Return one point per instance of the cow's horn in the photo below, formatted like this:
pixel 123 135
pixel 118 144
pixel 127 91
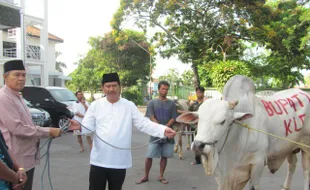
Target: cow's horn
pixel 233 104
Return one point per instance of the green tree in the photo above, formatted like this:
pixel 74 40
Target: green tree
pixel 223 70
pixel 125 56
pixel 201 31
pixel 112 53
pixel 284 35
pixel 193 30
pixel 307 79
pixel 87 75
pixel 172 76
pixel 187 78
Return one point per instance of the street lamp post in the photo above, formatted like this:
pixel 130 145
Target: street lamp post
pixel 150 95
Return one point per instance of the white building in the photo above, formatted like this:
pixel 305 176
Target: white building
pixel 25 37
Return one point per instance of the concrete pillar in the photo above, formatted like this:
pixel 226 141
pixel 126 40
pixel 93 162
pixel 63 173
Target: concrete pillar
pixel 62 83
pixel 44 47
pixel 19 44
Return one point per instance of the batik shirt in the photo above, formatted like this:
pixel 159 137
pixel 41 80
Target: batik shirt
pixel 5 158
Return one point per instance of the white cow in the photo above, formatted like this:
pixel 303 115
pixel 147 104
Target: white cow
pixel 236 154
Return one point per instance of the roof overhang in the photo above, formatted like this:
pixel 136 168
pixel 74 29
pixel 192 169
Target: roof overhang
pixel 9 16
pixel 53 74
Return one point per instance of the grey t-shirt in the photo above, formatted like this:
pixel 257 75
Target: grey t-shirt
pixel 163 111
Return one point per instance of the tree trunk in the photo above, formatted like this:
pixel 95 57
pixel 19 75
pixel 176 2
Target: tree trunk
pixel 92 98
pixel 196 77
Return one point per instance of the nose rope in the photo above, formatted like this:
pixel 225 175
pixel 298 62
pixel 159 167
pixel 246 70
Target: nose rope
pixel 216 141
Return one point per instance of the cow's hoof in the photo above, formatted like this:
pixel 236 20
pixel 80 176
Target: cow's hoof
pixel 181 156
pixel 188 148
pixel 284 188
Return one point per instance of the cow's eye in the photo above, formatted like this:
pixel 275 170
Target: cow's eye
pixel 222 123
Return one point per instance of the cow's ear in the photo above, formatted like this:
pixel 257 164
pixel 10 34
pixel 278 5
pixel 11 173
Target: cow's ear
pixel 242 116
pixel 189 118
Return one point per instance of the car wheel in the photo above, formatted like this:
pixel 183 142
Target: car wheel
pixel 62 120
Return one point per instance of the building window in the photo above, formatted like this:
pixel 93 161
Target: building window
pixel 12 32
pixel 9 49
pixel 37 81
pixel 33 52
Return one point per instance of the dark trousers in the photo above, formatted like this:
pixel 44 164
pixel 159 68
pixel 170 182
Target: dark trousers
pixel 197 155
pixel 28 185
pixel 98 177
pixel 197 158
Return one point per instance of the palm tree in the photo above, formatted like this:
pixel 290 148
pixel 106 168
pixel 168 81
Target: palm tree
pixel 60 65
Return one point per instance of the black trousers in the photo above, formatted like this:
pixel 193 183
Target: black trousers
pixel 99 176
pixel 28 184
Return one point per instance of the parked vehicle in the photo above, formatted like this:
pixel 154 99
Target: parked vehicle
pixel 57 101
pixel 39 116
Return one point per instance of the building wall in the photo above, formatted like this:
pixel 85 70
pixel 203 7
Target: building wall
pixel 6 38
pixel 51 66
pixel 51 53
pixel 36 42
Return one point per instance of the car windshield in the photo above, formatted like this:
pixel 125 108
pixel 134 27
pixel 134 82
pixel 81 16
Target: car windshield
pixel 27 103
pixel 63 95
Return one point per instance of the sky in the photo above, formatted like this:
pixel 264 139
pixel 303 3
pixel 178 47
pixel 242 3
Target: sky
pixel 76 20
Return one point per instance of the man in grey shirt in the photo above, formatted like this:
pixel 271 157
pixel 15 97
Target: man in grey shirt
pixel 162 111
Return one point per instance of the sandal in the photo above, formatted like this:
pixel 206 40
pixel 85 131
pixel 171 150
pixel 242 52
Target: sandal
pixel 163 181
pixel 142 181
pixel 195 163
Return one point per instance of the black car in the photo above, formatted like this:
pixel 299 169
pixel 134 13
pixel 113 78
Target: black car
pixel 56 101
pixel 39 116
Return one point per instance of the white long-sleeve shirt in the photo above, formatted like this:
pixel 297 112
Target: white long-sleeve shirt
pixel 113 123
pixel 78 107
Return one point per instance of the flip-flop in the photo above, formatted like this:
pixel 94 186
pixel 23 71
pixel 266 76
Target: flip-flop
pixel 163 181
pixel 142 181
pixel 195 163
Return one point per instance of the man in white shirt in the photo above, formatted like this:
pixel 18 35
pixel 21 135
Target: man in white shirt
pixel 79 108
pixel 112 118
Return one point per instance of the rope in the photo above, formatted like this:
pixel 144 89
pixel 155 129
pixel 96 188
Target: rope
pixel 272 135
pixel 47 164
pixel 133 147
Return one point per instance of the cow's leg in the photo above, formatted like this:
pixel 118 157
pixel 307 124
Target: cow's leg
pixel 188 146
pixel 180 147
pixel 236 179
pixel 256 173
pixel 305 167
pixel 292 160
pixel 176 146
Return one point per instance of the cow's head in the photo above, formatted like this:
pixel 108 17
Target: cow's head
pixel 215 118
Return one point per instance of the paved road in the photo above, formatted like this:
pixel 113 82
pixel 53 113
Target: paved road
pixel 69 170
